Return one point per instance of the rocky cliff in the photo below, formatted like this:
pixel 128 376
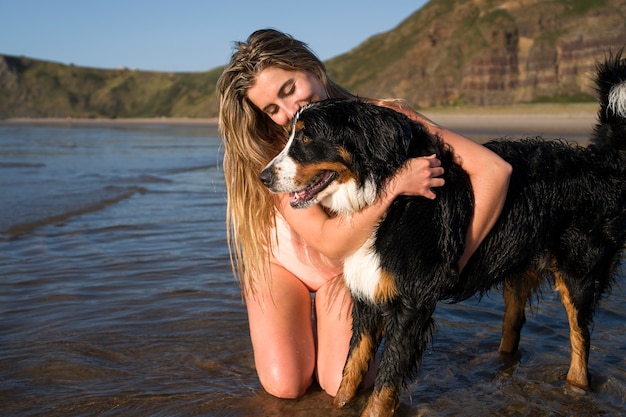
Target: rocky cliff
pixel 486 52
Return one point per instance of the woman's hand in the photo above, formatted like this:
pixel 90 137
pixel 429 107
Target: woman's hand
pixel 418 177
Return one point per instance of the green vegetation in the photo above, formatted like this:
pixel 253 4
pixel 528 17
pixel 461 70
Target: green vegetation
pixel 584 6
pixel 44 89
pixel 566 98
pixel 450 52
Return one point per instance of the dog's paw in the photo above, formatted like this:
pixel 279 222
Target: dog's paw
pixel 342 399
pixel 383 403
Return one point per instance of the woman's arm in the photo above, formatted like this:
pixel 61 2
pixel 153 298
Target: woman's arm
pixel 489 175
pixel 337 237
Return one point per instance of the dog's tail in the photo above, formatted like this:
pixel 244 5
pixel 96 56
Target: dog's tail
pixel 610 131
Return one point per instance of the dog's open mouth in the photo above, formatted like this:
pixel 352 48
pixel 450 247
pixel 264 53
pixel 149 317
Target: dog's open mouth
pixel 302 198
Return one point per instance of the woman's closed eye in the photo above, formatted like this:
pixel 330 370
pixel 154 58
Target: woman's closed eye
pixel 287 89
pixel 271 110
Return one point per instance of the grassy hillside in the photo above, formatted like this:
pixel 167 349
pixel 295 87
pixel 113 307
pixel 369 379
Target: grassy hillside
pixel 449 53
pixel 45 89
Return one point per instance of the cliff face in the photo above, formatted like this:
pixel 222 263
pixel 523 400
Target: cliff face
pixel 450 52
pixel 487 52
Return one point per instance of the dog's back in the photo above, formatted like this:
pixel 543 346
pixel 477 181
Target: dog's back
pixel 567 200
pixel 576 194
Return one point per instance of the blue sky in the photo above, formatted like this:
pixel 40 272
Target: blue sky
pixel 183 35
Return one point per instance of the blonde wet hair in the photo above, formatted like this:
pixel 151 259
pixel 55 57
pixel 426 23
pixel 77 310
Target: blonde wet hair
pixel 251 139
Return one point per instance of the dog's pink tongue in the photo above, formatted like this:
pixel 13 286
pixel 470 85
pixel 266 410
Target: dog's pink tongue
pixel 296 196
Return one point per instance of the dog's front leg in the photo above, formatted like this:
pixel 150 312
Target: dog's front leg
pixel 366 333
pixel 408 332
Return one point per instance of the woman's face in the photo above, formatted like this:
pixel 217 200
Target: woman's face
pixel 279 93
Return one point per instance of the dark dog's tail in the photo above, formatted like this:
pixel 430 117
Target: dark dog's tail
pixel 610 131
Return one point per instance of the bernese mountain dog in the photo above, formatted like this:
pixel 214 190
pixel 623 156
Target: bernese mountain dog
pixel 564 220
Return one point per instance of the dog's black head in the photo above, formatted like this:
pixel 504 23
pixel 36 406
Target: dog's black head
pixel 340 152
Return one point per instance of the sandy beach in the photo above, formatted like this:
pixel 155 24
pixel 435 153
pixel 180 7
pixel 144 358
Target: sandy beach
pixel 573 125
pixel 530 120
pixel 574 122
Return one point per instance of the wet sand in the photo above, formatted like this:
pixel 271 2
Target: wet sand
pixel 574 122
pixel 574 126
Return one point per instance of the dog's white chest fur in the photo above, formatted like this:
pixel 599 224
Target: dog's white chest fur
pixel 362 271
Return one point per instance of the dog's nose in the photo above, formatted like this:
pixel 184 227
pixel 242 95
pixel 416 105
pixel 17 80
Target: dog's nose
pixel 267 176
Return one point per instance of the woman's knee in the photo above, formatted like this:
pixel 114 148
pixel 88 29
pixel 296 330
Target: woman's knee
pixel 282 385
pixel 330 382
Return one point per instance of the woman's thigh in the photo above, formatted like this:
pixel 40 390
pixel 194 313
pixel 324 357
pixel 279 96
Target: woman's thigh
pixel 279 314
pixel 333 311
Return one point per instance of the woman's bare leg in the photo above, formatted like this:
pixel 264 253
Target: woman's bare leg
pixel 279 315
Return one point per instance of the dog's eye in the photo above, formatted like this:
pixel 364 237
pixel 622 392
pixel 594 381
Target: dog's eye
pixel 305 139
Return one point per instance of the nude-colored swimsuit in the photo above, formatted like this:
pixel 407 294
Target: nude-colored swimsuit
pixel 293 253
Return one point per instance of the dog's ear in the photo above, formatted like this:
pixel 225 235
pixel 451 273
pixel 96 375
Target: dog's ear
pixel 423 143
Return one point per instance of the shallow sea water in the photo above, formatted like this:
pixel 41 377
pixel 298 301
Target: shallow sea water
pixel 117 298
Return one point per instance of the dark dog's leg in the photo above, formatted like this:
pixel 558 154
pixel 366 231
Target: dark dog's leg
pixel 579 338
pixel 408 331
pixel 516 291
pixel 366 334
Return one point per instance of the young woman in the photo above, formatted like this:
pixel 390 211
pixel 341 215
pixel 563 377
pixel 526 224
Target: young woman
pixel 282 255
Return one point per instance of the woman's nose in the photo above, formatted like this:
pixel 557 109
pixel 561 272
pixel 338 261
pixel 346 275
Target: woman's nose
pixel 292 108
pixel 281 118
pixel 286 113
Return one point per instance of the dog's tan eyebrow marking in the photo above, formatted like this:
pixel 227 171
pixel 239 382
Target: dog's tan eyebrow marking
pixel 344 154
pixel 299 126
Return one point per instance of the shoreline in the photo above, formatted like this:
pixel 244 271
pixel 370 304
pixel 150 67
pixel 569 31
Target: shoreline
pixel 165 121
pixel 575 119
pixel 533 120
pixel 529 124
